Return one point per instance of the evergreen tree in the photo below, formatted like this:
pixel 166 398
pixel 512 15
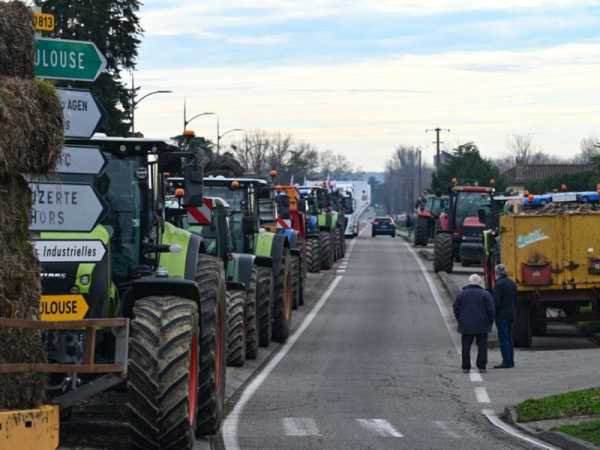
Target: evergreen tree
pixel 113 25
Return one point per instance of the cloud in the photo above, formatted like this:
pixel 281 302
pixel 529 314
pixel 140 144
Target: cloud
pixel 365 108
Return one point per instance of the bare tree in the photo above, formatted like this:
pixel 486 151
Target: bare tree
pixel 521 148
pixel 252 151
pixel 588 149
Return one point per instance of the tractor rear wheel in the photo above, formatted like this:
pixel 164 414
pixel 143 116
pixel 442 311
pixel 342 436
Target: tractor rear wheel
pixel 295 267
pixel 264 294
pixel 250 314
pixel 313 255
pixel 282 299
pixel 236 328
pixel 443 253
pixel 522 328
pixel 326 250
pixel 213 344
pixel 422 231
pixel 162 381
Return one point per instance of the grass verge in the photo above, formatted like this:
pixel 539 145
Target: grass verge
pixel 588 431
pixel 584 402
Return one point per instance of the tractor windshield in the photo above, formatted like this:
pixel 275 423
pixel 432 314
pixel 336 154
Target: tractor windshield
pixel 435 205
pixel 234 197
pixel 119 188
pixel 468 204
pixel 348 203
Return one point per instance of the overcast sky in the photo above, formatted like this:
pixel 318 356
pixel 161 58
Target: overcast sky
pixel 362 76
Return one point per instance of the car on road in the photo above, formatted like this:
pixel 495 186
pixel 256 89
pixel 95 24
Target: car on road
pixel 383 226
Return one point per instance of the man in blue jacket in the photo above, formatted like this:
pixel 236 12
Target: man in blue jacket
pixel 505 298
pixel 474 311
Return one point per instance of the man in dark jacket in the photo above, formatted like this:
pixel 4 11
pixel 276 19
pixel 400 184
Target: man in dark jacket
pixel 505 299
pixel 474 312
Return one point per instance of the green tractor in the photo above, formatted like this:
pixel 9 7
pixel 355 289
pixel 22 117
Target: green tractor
pixel 135 268
pixel 261 251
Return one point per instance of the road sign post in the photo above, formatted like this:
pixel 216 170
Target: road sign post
pixel 64 207
pixel 81 113
pixel 82 160
pixel 63 59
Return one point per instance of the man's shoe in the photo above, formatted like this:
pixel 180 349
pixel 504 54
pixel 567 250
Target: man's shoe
pixel 466 370
pixel 504 366
pixel 482 371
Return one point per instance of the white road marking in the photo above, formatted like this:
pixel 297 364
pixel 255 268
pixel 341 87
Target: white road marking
pixel 379 426
pixel 475 377
pixel 340 271
pixel 499 423
pixel 300 426
pixel 231 425
pixel 446 429
pixel 482 395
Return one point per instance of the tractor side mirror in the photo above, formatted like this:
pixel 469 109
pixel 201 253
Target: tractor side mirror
pixel 193 180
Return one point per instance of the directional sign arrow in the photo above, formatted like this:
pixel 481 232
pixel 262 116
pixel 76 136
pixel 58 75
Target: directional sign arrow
pixel 63 59
pixel 83 160
pixel 64 207
pixel 81 113
pixel 69 251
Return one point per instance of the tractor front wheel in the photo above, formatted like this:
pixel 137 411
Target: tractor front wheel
pixel 264 294
pixel 282 299
pixel 421 231
pixel 250 316
pixel 236 328
pixel 443 253
pixel 313 255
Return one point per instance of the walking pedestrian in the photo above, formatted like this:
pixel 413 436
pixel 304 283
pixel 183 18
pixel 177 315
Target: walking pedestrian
pixel 410 224
pixel 505 299
pixel 474 312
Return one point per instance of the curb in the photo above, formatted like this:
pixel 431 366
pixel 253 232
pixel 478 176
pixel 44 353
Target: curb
pixel 561 440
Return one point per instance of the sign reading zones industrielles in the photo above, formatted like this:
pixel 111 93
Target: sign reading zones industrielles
pixel 69 251
pixel 80 111
pixel 63 59
pixel 83 160
pixel 64 207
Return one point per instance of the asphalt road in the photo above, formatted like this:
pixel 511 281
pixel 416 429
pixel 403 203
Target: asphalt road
pixel 375 369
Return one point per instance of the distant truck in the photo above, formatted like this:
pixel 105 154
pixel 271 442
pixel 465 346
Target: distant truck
pixel 553 254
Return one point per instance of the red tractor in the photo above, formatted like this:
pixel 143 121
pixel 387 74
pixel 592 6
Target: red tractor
pixel 427 217
pixel 460 231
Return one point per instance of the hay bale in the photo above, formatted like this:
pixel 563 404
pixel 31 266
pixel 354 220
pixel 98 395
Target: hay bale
pixel 20 289
pixel 16 40
pixel 31 126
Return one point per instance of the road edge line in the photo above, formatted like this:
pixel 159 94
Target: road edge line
pixel 493 418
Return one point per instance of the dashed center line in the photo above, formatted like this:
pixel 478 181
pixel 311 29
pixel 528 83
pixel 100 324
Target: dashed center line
pixel 380 426
pixel 482 395
pixel 300 426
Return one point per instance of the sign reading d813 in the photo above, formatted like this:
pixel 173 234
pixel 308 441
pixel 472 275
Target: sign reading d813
pixel 43 22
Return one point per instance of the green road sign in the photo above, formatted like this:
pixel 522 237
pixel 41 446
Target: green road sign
pixel 62 59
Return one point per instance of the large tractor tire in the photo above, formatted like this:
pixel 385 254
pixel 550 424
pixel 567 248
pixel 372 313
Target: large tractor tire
pixel 236 328
pixel 296 280
pixel 313 255
pixel 421 231
pixel 213 344
pixel 264 294
pixel 251 317
pixel 341 243
pixel 522 328
pixel 443 253
pixel 303 270
pixel 326 250
pixel 163 376
pixel 283 299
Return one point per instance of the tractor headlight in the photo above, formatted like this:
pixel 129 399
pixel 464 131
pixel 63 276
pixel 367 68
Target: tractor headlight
pixel 85 279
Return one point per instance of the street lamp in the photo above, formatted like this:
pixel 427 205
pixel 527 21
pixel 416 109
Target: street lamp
pixel 186 121
pixel 135 102
pixel 221 136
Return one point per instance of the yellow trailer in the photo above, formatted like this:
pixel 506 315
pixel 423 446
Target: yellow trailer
pixel 555 260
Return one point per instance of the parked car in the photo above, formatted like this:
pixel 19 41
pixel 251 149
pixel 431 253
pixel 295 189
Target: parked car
pixel 383 226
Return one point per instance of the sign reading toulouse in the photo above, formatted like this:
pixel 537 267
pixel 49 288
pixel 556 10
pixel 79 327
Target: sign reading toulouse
pixel 84 160
pixel 68 251
pixel 81 113
pixel 63 59
pixel 64 207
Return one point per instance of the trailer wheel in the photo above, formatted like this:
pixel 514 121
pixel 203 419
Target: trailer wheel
pixel 421 231
pixel 251 319
pixel 264 293
pixel 163 379
pixel 236 328
pixel 443 249
pixel 313 255
pixel 522 329
pixel 282 300
pixel 213 344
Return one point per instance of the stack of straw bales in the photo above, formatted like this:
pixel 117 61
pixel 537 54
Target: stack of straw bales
pixel 31 137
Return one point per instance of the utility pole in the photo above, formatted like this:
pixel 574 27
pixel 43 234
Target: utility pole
pixel 420 165
pixel 437 145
